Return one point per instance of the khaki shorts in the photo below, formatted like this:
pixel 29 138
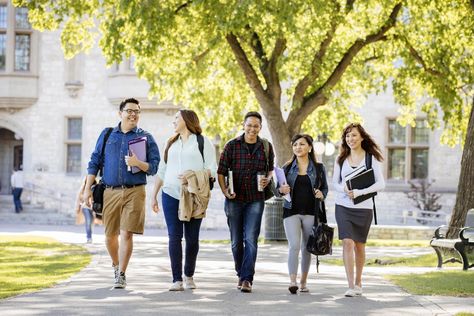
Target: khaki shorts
pixel 124 209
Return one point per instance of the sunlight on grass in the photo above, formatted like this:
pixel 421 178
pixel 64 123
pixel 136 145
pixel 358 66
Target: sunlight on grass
pixel 452 283
pixel 30 263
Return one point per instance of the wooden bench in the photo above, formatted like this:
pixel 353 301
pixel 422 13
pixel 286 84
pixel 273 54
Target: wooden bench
pixel 459 250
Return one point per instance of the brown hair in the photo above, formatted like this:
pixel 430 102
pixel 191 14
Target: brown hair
pixel 311 154
pixel 192 124
pixel 368 144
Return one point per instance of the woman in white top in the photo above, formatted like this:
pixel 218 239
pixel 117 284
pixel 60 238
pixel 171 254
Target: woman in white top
pixel 353 220
pixel 182 154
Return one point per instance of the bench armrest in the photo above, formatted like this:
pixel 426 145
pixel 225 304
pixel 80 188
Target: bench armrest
pixel 441 231
pixel 467 234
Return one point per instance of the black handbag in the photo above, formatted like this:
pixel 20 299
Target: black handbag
pixel 98 198
pixel 99 188
pixel 320 239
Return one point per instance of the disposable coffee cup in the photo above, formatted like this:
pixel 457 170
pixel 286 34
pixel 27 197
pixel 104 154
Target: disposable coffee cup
pixel 260 176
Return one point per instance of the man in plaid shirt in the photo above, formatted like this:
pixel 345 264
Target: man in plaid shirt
pixel 245 156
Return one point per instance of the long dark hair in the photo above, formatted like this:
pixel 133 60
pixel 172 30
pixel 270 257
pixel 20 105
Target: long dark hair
pixel 368 144
pixel 192 124
pixel 311 154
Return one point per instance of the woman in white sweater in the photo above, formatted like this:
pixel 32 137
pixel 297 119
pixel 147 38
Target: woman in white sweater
pixel 353 220
pixel 182 154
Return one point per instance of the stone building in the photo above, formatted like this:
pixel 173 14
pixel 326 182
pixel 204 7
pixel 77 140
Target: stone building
pixel 53 109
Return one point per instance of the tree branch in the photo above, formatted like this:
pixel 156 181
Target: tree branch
pixel 257 47
pixel 318 97
pixel 304 83
pixel 349 5
pixel 274 87
pixel 183 6
pixel 249 72
pixel 417 56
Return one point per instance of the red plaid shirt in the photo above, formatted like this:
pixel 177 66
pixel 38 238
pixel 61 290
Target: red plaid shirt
pixel 244 164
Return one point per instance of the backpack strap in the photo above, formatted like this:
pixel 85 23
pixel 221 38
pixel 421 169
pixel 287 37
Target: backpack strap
pixel 368 165
pixel 266 150
pixel 102 153
pixel 200 140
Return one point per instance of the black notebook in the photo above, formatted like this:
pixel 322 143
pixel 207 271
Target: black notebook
pixel 361 181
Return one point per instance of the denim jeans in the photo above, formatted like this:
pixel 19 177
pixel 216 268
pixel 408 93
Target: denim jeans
pixel 88 221
pixel 17 199
pixel 244 219
pixel 175 236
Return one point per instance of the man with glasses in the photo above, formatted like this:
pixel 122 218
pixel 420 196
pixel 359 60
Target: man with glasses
pixel 245 157
pixel 124 196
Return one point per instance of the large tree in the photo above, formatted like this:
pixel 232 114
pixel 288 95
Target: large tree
pixel 303 63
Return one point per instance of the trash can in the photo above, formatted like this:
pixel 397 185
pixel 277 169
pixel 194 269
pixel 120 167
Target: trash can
pixel 274 229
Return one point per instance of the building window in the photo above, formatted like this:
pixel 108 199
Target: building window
pixel 407 151
pixel 17 39
pixel 74 145
pixel 22 40
pixel 22 52
pixel 3 51
pixel 3 35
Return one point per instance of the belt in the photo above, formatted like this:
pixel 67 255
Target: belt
pixel 123 186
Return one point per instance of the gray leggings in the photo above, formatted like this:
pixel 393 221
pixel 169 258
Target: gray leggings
pixel 295 227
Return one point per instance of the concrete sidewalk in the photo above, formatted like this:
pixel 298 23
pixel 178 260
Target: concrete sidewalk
pixel 90 293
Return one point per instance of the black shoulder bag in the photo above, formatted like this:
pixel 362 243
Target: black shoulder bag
pixel 99 188
pixel 320 239
pixel 200 140
pixel 270 189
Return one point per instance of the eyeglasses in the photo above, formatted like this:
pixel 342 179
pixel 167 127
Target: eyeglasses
pixel 252 126
pixel 130 111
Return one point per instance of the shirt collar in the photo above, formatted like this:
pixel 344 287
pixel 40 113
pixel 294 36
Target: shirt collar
pixel 118 129
pixel 241 138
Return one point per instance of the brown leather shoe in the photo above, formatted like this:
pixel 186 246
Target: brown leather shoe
pixel 239 285
pixel 246 287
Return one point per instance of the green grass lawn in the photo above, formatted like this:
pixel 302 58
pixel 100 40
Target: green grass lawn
pixel 451 283
pixel 29 263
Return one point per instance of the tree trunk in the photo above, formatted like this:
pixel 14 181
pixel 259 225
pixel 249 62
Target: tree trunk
pixel 464 197
pixel 281 141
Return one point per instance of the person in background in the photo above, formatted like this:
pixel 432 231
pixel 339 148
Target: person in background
pixel 245 156
pixel 354 220
pixel 17 188
pixel 307 186
pixel 183 159
pixel 83 213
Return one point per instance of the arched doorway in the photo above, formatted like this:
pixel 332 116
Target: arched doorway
pixel 11 156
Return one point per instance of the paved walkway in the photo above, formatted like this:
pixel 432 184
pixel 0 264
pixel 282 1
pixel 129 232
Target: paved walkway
pixel 89 292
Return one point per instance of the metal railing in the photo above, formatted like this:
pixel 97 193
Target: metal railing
pixel 45 197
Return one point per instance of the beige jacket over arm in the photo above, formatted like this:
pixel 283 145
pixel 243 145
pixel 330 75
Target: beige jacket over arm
pixel 195 195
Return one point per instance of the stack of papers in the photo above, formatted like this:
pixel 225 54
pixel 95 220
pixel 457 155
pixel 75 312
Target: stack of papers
pixel 280 175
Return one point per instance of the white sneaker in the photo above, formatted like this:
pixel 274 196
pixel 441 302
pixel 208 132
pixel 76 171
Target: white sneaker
pixel 358 290
pixel 350 293
pixel 189 283
pixel 177 286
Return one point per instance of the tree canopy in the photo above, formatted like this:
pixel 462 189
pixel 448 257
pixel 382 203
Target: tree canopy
pixel 305 64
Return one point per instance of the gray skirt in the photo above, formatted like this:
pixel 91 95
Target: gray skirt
pixel 353 223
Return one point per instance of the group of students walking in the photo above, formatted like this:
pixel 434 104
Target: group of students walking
pixel 186 175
